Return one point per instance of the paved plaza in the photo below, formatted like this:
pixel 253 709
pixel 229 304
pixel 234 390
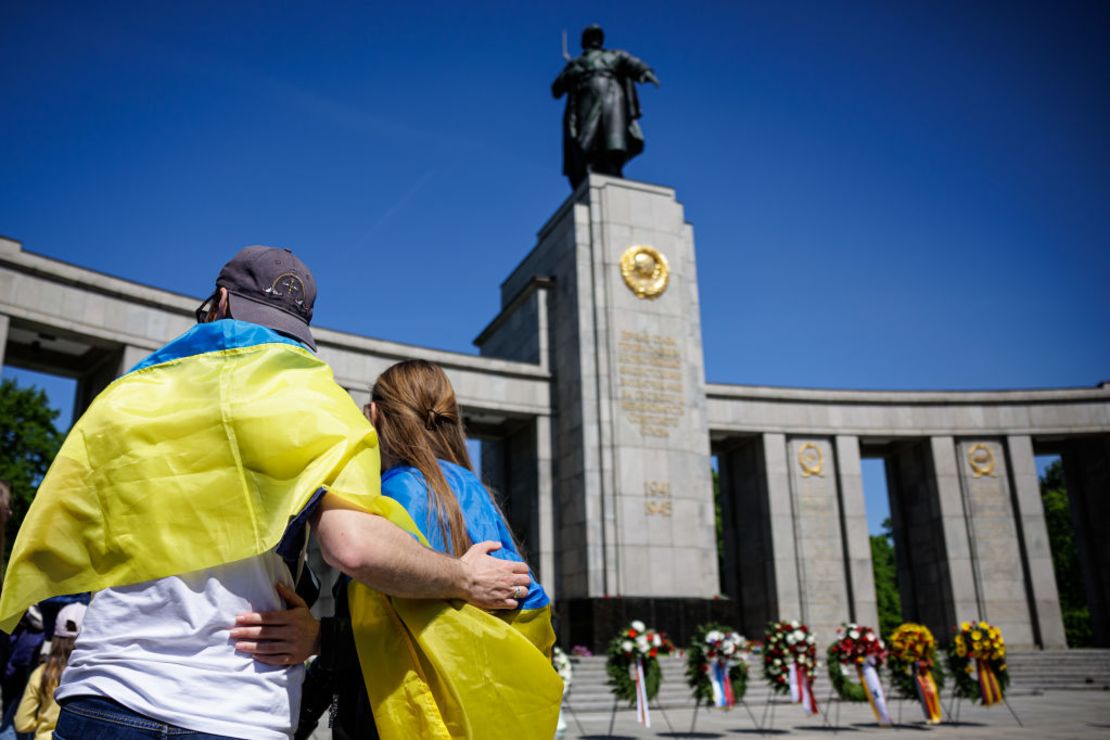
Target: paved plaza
pixel 1056 714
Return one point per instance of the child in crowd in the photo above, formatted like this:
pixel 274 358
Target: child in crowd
pixel 38 712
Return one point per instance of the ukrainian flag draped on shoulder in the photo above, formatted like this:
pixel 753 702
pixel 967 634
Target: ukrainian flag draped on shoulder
pixel 453 671
pixel 195 458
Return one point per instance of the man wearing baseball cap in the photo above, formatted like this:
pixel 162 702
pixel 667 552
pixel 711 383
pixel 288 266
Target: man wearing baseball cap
pixel 182 496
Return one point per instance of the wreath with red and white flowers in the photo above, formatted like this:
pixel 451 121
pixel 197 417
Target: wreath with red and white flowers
pixel 715 643
pixel 785 643
pixel 855 645
pixel 636 642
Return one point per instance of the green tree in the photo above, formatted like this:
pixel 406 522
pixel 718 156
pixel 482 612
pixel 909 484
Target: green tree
pixel 886 580
pixel 1065 557
pixel 28 442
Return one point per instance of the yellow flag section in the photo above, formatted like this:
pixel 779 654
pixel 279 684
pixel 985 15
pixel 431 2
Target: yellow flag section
pixel 439 671
pixel 197 457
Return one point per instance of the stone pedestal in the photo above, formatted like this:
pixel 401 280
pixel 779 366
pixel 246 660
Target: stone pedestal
pixel 633 494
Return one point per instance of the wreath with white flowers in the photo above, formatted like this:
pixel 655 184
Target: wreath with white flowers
pixel 714 642
pixel 978 646
pixel 854 646
pixel 636 641
pixel 913 649
pixel 561 662
pixel 785 643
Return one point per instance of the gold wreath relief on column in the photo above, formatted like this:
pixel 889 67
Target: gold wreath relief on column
pixel 981 459
pixel 645 271
pixel 811 460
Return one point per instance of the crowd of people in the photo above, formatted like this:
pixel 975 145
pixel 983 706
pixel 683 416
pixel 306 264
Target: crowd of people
pixel 182 500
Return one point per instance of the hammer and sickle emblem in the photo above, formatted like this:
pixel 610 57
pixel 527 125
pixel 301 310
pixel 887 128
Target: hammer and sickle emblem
pixel 981 460
pixel 287 285
pixel 645 271
pixel 811 460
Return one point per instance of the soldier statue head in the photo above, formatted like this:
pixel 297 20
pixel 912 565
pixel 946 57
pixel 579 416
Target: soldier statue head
pixel 593 37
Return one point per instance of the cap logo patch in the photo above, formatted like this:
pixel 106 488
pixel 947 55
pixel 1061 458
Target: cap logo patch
pixel 288 286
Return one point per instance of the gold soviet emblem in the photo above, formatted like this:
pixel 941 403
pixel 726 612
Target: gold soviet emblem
pixel 645 271
pixel 981 460
pixel 811 460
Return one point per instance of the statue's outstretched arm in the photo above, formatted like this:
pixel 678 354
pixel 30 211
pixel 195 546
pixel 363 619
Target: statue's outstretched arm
pixel 637 69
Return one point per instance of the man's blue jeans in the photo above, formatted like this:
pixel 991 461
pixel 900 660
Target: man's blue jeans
pixel 94 718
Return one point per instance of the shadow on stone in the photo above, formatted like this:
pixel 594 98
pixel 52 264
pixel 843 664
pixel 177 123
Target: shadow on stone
pixel 689 734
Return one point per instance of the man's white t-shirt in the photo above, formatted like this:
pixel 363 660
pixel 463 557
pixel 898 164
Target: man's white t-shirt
pixel 162 649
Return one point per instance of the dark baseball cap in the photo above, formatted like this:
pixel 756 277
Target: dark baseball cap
pixel 271 287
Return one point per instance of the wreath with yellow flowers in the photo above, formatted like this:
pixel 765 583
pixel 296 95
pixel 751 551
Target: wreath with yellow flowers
pixel 912 649
pixel 977 646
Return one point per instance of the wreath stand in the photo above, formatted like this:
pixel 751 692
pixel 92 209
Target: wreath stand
pixel 747 708
pixel 958 700
pixel 574 715
pixel 834 724
pixel 657 706
pixel 898 697
pixel 765 726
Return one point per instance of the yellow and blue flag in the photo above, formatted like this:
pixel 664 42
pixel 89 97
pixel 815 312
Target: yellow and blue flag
pixel 527 702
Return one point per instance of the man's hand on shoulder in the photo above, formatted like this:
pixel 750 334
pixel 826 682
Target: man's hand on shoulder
pixel 285 637
pixel 492 583
pixel 373 550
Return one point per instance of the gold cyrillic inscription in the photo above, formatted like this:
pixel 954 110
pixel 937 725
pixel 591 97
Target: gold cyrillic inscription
pixel 658 494
pixel 649 370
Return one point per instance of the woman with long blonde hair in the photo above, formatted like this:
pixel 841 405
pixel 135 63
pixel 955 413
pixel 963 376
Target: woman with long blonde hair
pixel 427 465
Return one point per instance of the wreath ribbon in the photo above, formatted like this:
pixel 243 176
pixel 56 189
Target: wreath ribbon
pixel 636 671
pixel 722 685
pixel 873 688
pixel 927 692
pixel 801 689
pixel 988 683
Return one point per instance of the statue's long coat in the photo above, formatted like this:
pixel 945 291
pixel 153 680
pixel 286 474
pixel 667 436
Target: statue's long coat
pixel 602 107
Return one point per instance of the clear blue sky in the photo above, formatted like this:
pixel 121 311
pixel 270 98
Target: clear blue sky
pixel 884 195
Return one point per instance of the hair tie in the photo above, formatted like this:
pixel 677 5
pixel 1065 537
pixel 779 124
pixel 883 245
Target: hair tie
pixel 430 419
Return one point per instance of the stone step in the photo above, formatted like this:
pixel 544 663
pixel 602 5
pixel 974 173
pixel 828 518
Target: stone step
pixel 1031 671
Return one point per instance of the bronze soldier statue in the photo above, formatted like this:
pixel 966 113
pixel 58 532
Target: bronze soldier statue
pixel 600 132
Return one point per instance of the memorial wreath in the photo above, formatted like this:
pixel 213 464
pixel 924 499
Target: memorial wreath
pixel 977 659
pixel 914 668
pixel 633 665
pixel 786 644
pixel 717 665
pixel 858 650
pixel 790 661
